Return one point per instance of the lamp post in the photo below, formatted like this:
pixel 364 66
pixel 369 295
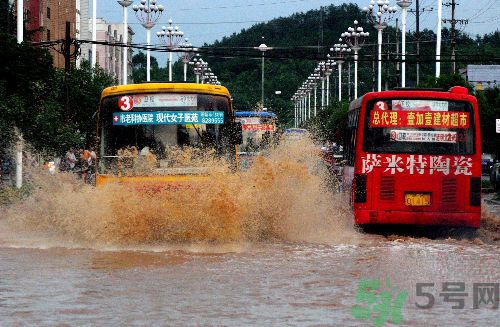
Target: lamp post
pixel 404 4
pixel 340 50
pixel 438 41
pixel 263 48
pixel 125 4
pixel 379 23
pixel 170 36
pixel 329 69
pixel 93 59
pixel 197 62
pixel 148 13
pixel 355 38
pixel 187 55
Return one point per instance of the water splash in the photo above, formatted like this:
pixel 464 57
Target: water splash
pixel 282 197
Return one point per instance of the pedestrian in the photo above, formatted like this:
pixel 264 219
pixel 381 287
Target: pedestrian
pixel 70 159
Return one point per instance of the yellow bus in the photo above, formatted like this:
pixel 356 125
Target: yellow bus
pixel 152 132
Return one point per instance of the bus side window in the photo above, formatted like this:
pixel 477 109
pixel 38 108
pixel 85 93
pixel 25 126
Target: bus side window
pixel 350 137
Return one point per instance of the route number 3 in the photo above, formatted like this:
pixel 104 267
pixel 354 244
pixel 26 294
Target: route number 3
pixel 381 105
pixel 126 103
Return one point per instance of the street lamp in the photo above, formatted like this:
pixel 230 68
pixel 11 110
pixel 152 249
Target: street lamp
pixel 355 38
pixel 171 36
pixel 263 48
pixel 148 13
pixel 125 4
pixel 329 64
pixel 379 23
pixel 404 4
pixel 199 66
pixel 187 55
pixel 340 51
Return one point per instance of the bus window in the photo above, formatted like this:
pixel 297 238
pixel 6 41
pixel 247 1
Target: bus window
pixel 156 133
pixel 416 131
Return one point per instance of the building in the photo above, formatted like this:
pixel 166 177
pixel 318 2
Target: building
pixel 46 21
pixel 483 76
pixel 110 58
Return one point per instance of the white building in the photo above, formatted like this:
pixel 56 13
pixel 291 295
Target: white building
pixel 109 57
pixel 483 76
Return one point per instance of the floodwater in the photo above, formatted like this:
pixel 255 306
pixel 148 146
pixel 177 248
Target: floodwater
pixel 272 248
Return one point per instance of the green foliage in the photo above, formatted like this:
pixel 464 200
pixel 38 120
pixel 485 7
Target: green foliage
pixel 10 195
pixel 446 82
pixel 52 109
pixel 330 124
pixel 139 66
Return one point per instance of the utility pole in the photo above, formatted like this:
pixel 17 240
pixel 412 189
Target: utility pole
pixel 387 72
pixel 417 36
pixel 453 23
pixel 417 13
pixel 397 49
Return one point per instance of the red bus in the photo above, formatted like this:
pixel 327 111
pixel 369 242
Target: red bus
pixel 413 156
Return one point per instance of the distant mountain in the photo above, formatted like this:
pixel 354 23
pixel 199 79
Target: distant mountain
pixel 300 41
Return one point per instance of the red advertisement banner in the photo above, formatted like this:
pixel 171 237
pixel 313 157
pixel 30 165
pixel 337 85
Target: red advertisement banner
pixel 429 119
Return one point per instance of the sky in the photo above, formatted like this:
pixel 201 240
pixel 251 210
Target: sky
pixel 205 21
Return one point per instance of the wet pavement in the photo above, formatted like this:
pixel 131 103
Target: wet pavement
pixel 240 284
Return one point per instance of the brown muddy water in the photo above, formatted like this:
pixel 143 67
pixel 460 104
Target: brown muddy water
pixel 271 246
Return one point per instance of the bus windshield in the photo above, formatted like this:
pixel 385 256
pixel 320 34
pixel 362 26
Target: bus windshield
pixel 167 130
pixel 419 126
pixel 258 128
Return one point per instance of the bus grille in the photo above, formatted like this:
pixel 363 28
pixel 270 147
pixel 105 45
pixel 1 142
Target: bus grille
pixel 449 191
pixel 387 188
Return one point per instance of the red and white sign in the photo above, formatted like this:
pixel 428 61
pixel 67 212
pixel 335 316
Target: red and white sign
pixel 126 103
pixel 258 127
pixel 418 164
pixel 423 136
pixel 423 119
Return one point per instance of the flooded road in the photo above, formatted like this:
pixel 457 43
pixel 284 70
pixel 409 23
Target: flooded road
pixel 245 284
pixel 272 247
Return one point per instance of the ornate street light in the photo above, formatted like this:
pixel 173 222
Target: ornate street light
pixel 329 64
pixel 125 4
pixel 340 50
pixel 186 55
pixel 148 13
pixel 404 4
pixel 170 36
pixel 379 19
pixel 355 38
pixel 263 48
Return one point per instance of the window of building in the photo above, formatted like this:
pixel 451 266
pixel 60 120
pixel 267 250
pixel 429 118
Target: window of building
pixel 48 35
pixel 48 12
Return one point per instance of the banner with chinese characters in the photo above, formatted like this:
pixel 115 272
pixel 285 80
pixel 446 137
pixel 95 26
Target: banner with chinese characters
pixel 164 100
pixel 423 136
pixel 420 105
pixel 417 164
pixel 429 119
pixel 168 117
pixel 258 127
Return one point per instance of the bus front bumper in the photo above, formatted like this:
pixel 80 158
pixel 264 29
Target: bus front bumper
pixel 373 217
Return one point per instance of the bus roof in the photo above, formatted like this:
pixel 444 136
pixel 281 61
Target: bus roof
pixel 264 114
pixel 166 87
pixel 296 131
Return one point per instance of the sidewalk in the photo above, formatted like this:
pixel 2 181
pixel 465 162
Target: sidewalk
pixel 491 203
